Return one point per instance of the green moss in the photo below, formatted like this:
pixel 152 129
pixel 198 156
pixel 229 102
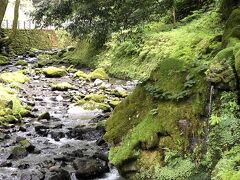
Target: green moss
pixel 83 54
pixel 28 40
pixel 143 115
pixel 15 85
pixel 45 59
pixel 24 143
pixel 114 103
pixel 232 27
pixel 19 152
pixel 10 105
pixel 3 60
pixel 92 105
pixel 63 86
pixel 119 93
pixel 98 74
pixel 21 63
pixel 80 102
pixel 95 97
pixel 151 45
pixel 54 72
pixel 71 69
pixel 81 75
pixel 16 76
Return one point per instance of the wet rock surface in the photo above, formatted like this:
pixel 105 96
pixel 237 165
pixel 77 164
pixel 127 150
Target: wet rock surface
pixel 58 140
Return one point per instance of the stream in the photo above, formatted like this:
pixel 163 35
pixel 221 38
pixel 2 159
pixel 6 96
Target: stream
pixel 67 142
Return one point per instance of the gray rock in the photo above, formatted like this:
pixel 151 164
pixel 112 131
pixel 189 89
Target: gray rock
pixel 89 168
pixel 45 115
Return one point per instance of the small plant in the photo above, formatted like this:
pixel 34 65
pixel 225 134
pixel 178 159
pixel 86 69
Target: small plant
pixel 214 120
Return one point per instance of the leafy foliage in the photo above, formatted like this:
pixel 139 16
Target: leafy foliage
pixel 225 127
pixel 99 18
pixel 228 166
pixel 175 167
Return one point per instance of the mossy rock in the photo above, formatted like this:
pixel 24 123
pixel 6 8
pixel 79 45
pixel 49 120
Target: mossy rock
pixel 114 103
pixel 18 152
pixel 92 105
pixel 21 63
pixel 15 85
pixel 63 86
pixel 71 69
pixel 132 127
pixel 80 102
pixel 225 55
pixel 54 72
pixel 98 74
pixel 31 54
pixel 81 75
pixel 71 48
pixel 119 93
pixel 11 77
pixel 95 97
pixel 10 104
pixel 25 143
pixel 232 27
pixel 220 70
pixel 3 60
pixel 34 50
pixel 45 59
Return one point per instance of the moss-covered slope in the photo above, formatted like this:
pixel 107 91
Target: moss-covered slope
pixel 161 131
pixel 38 39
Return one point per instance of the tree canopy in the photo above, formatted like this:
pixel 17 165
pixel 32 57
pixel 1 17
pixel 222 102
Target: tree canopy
pixel 97 18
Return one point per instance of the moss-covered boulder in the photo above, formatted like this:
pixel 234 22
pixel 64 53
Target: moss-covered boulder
pixel 45 59
pixel 21 63
pixel 54 72
pixel 119 93
pixel 63 86
pixel 162 113
pixel 11 107
pixel 232 33
pixel 221 70
pixel 92 105
pixel 98 74
pixel 81 75
pixel 22 149
pixel 95 97
pixel 114 103
pixel 11 77
pixel 3 60
pixel 18 152
pixel 225 67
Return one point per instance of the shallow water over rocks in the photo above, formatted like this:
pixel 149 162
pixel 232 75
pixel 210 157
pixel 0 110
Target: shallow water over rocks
pixel 66 143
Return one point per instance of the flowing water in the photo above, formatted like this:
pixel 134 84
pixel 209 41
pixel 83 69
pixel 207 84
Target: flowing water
pixel 72 133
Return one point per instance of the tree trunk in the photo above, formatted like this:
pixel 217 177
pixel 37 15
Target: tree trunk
pixel 15 20
pixel 174 15
pixel 3 8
